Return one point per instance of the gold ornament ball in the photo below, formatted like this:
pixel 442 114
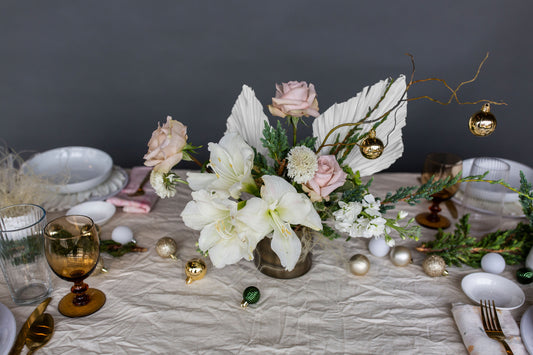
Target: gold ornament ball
pixel 400 256
pixel 359 264
pixel 482 123
pixel 195 269
pixel 166 247
pixel 371 147
pixel 434 266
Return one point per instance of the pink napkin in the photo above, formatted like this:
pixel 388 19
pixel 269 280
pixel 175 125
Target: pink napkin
pixel 136 204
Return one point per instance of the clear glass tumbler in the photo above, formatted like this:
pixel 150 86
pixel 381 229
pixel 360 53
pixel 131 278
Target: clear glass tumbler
pixel 484 201
pixel 22 255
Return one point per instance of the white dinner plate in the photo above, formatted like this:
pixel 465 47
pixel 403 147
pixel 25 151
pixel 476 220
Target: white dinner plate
pixel 99 211
pixel 526 329
pixel 71 169
pixel 485 286
pixel 8 328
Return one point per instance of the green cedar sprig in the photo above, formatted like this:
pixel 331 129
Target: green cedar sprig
pixel 116 249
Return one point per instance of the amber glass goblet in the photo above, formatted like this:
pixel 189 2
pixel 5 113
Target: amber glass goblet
pixel 440 166
pixel 72 249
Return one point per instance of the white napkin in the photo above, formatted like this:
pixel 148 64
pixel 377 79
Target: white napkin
pixel 468 320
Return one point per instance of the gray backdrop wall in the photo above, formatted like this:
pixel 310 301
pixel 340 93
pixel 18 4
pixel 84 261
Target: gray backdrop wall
pixel 103 73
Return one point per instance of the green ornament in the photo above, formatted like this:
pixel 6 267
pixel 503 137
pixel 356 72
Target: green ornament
pixel 524 275
pixel 250 296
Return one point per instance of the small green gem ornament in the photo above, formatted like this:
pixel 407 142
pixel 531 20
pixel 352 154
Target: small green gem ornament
pixel 524 275
pixel 250 296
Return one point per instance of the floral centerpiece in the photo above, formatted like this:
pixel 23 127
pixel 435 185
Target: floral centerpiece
pixel 262 182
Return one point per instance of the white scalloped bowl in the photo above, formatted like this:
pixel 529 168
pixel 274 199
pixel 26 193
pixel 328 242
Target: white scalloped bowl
pixel 99 211
pixel 71 169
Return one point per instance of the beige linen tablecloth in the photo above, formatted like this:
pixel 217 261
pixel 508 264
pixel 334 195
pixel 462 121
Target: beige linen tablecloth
pixel 150 309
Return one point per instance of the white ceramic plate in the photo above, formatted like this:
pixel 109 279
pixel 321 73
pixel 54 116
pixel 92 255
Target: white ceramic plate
pixel 513 180
pixel 526 329
pixel 8 328
pixel 99 211
pixel 484 286
pixel 71 169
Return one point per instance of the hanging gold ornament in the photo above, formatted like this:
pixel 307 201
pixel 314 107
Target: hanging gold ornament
pixel 359 264
pixel 371 147
pixel 166 247
pixel 400 256
pixel 482 123
pixel 195 269
pixel 434 265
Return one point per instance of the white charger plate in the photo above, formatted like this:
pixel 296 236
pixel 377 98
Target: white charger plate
pixel 99 211
pixel 526 329
pixel 8 329
pixel 71 169
pixel 485 286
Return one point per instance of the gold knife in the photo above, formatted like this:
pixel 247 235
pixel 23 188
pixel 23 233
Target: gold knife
pixel 21 337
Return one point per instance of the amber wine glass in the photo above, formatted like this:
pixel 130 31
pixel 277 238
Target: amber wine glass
pixel 440 166
pixel 72 249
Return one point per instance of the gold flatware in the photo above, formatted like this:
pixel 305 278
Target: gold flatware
pixel 40 332
pixel 21 336
pixel 491 324
pixel 140 190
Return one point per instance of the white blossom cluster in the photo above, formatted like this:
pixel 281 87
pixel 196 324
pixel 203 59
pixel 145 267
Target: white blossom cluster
pixel 361 219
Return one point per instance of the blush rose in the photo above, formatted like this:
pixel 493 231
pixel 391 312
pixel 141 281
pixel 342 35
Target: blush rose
pixel 165 148
pixel 294 98
pixel 328 177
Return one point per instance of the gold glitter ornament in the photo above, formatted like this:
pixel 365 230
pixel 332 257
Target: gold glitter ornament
pixel 371 147
pixel 400 256
pixel 166 247
pixel 195 269
pixel 482 123
pixel 434 266
pixel 359 264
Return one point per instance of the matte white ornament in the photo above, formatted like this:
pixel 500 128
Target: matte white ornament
pixel 529 260
pixel 493 263
pixel 354 110
pixel 122 235
pixel 378 247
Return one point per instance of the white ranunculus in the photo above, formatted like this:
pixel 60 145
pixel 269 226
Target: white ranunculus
pixel 224 234
pixel 231 160
pixel 280 206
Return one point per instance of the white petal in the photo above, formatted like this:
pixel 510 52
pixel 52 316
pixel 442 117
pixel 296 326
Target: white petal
pixel 296 208
pixel 208 237
pixel 254 214
pixel 225 252
pixel 200 181
pixel 287 247
pixel 248 119
pixel 354 110
pixel 275 188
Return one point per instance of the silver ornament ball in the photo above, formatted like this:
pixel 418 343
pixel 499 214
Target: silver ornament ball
pixel 166 247
pixel 400 256
pixel 434 266
pixel 359 264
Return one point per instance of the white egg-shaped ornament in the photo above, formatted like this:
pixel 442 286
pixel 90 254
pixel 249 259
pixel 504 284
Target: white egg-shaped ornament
pixel 122 235
pixel 378 247
pixel 493 263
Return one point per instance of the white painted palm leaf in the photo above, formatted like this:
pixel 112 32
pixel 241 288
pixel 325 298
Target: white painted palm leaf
pixel 248 119
pixel 354 110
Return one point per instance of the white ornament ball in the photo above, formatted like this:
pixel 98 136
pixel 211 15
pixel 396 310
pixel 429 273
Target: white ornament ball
pixel 122 235
pixel 493 263
pixel 378 247
pixel 529 260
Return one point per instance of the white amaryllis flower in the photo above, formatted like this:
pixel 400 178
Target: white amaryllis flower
pixel 224 234
pixel 302 164
pixel 231 160
pixel 280 206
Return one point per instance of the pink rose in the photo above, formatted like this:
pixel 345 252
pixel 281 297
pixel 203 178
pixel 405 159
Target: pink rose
pixel 295 99
pixel 328 177
pixel 166 145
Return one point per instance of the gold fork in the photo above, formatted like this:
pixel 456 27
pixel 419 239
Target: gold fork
pixel 491 324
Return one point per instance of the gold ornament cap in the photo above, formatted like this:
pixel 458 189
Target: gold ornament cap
pixel 482 123
pixel 371 147
pixel 195 270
